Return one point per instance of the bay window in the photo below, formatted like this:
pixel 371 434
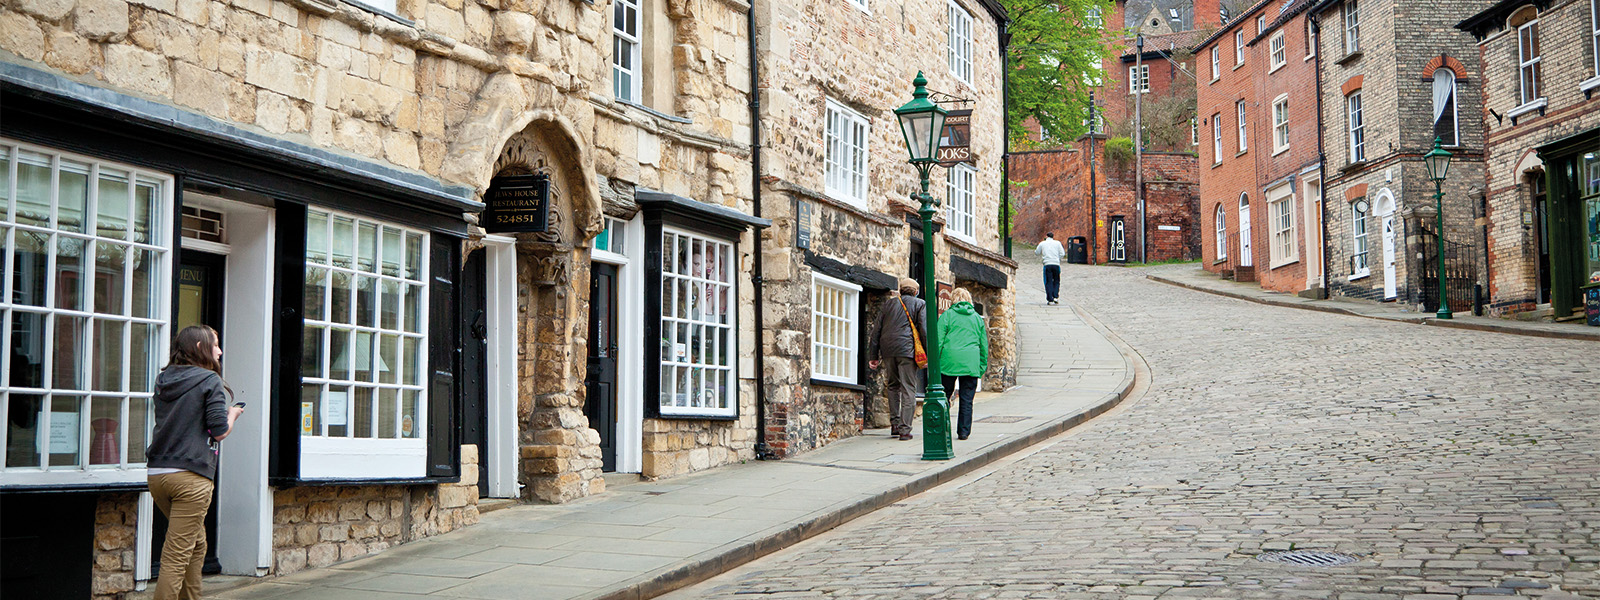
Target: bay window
pixel 363 394
pixel 698 326
pixel 85 268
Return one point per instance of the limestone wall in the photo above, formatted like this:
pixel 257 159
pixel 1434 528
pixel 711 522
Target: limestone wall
pixel 116 520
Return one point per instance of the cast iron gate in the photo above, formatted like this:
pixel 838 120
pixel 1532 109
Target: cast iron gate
pixel 1461 273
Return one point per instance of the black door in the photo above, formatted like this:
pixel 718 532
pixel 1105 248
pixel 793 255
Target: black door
pixel 474 363
pixel 202 287
pixel 601 406
pixel 1541 234
pixel 916 266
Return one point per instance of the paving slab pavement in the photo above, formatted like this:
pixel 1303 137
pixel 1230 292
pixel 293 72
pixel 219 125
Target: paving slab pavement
pixel 1195 278
pixel 645 539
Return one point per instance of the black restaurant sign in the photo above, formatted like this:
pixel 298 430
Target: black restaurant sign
pixel 955 142
pixel 517 204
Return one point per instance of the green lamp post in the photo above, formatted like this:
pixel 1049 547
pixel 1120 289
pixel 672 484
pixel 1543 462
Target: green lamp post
pixel 922 121
pixel 1438 162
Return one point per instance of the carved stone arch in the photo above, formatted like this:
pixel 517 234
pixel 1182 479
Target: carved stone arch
pixel 544 141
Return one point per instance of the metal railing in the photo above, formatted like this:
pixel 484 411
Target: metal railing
pixel 1461 274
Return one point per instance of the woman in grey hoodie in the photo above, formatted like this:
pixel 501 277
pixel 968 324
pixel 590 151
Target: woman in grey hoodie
pixel 192 417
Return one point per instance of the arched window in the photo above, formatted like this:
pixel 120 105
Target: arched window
pixel 1444 107
pixel 1221 222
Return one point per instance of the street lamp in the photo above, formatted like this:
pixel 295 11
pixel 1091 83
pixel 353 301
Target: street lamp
pixel 1438 162
pixel 921 121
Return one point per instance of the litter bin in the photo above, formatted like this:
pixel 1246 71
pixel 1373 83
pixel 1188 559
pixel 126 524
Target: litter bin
pixel 1076 254
pixel 1591 304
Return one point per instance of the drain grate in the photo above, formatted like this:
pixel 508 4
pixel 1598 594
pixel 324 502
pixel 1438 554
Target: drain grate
pixel 1307 558
pixel 1003 419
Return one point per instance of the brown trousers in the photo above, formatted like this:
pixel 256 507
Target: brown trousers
pixel 184 497
pixel 905 380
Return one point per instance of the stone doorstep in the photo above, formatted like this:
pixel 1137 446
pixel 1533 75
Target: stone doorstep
pixel 1548 330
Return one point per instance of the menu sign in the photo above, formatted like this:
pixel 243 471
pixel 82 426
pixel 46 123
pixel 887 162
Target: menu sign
pixel 517 204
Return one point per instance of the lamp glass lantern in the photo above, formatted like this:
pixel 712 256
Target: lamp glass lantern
pixel 921 122
pixel 1438 161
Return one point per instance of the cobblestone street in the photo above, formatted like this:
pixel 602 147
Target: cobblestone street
pixel 1454 464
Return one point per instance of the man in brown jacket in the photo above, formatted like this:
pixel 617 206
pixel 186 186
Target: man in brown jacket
pixel 890 345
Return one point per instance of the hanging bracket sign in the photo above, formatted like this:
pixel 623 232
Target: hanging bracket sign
pixel 955 142
pixel 517 204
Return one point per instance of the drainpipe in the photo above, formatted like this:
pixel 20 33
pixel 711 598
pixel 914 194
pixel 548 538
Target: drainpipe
pixel 763 452
pixel 1094 217
pixel 1138 140
pixel 1005 141
pixel 1322 157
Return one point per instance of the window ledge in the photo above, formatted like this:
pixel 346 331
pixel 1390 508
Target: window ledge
pixel 1284 264
pixel 1216 164
pixel 1352 167
pixel 1308 58
pixel 1589 84
pixel 1536 105
pixel 655 113
pixel 1360 277
pixel 1220 261
pixel 1237 65
pixel 1215 79
pixel 1348 58
pixel 374 10
pixel 1277 67
pixel 1241 153
pixel 1280 151
pixel 815 382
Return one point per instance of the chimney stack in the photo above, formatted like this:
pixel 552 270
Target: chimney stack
pixel 1207 13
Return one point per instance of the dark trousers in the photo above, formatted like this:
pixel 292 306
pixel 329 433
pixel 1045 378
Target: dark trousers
pixel 968 387
pixel 1052 282
pixel 904 382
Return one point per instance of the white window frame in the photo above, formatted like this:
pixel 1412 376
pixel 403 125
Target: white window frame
pixel 1356 127
pixel 1311 40
pixel 718 287
pixel 1216 63
pixel 1455 105
pixel 1220 222
pixel 1139 79
pixel 860 5
pixel 1216 138
pixel 846 162
pixel 1244 127
pixel 1528 68
pixel 1352 27
pixel 835 317
pixel 349 457
pixel 1194 131
pixel 625 46
pixel 1238 48
pixel 1281 220
pixel 1280 124
pixel 1594 34
pixel 958 42
pixel 961 185
pixel 157 247
pixel 1261 24
pixel 1279 51
pixel 1360 242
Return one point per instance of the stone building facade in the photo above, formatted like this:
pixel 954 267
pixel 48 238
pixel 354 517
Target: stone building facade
pixel 836 185
pixel 1541 136
pixel 1260 179
pixel 281 119
pixel 1378 65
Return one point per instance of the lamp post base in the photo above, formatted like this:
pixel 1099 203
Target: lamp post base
pixel 936 444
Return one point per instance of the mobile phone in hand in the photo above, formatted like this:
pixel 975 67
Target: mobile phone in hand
pixel 239 404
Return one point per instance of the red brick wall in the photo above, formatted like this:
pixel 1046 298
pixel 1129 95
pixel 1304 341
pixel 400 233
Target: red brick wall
pixel 1056 199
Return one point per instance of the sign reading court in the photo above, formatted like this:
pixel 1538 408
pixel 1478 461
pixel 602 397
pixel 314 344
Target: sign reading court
pixel 517 204
pixel 955 142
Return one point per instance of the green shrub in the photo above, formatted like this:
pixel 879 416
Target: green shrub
pixel 1119 151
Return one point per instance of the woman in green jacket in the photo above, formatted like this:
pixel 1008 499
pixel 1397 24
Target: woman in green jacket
pixel 963 354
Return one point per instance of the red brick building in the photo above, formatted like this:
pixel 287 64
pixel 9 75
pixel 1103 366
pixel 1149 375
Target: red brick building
pixel 1058 196
pixel 1259 156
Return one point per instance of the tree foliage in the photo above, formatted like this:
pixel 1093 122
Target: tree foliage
pixel 1055 52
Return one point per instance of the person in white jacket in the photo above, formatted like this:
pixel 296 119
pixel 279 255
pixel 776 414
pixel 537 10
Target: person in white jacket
pixel 1050 253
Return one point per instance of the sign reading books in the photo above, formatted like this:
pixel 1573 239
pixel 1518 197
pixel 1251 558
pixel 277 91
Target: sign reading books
pixel 517 204
pixel 955 142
